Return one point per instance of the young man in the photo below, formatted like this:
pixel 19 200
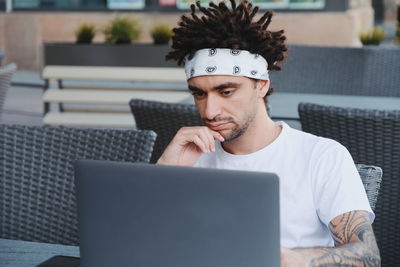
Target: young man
pixel 325 215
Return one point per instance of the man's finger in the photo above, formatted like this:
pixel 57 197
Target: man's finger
pixel 211 140
pixel 218 136
pixel 207 138
pixel 200 144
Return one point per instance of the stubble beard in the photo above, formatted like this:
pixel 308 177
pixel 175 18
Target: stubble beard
pixel 240 128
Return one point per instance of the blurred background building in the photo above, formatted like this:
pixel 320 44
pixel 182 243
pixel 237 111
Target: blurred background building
pixel 26 24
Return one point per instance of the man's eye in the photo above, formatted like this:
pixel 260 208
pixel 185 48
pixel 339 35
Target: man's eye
pixel 227 92
pixel 197 93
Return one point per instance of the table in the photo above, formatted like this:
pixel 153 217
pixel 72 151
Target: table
pixel 17 253
pixel 284 105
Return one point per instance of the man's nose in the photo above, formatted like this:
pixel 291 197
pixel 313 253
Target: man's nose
pixel 213 108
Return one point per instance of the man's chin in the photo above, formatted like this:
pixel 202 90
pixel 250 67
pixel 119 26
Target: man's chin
pixel 232 134
pixel 228 135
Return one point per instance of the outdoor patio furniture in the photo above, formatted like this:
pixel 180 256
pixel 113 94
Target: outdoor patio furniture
pixel 371 177
pixel 6 74
pixel 163 118
pixel 36 175
pixel 372 137
pixel 101 101
pixel 364 71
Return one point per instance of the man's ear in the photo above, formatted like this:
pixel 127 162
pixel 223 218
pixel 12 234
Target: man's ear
pixel 262 88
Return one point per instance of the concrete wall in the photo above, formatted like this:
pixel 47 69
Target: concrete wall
pixel 22 33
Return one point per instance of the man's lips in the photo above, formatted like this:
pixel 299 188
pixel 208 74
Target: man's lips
pixel 218 126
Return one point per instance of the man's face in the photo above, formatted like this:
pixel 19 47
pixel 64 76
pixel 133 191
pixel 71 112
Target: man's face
pixel 227 104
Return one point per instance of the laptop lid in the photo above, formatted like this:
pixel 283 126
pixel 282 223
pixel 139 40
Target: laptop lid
pixel 142 215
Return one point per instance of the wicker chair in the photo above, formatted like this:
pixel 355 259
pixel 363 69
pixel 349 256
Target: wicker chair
pixel 37 198
pixel 6 74
pixel 371 177
pixel 372 137
pixel 163 118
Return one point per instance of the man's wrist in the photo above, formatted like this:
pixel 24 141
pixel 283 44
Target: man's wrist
pixel 310 254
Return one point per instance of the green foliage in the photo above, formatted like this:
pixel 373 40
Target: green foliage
pixel 85 33
pixel 373 36
pixel 161 33
pixel 122 30
pixel 397 39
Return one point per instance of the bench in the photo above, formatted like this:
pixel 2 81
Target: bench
pixel 97 93
pixel 59 73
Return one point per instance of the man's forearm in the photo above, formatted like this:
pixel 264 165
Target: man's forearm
pixel 355 243
pixel 356 254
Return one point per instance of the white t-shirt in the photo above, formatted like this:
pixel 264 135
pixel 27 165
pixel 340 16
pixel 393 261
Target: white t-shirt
pixel 318 181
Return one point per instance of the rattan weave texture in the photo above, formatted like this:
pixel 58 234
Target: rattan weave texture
pixel 371 177
pixel 37 197
pixel 163 118
pixel 6 74
pixel 372 137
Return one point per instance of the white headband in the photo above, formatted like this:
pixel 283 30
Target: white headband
pixel 225 61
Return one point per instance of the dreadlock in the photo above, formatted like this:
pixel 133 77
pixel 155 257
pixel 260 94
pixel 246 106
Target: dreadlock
pixel 221 27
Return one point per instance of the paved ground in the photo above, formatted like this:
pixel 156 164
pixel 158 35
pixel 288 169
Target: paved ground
pixel 23 105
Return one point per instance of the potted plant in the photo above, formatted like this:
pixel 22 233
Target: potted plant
pixel 373 36
pixel 85 33
pixel 119 48
pixel 122 30
pixel 161 33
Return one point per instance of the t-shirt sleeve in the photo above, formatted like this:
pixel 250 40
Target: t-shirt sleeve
pixel 337 184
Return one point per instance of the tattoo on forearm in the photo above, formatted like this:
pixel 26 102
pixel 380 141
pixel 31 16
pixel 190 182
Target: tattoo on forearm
pixel 355 243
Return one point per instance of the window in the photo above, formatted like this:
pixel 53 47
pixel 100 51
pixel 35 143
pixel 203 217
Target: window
pixel 125 4
pixel 306 4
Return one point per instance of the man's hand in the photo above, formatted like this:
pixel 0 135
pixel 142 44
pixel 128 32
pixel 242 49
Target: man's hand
pixel 188 144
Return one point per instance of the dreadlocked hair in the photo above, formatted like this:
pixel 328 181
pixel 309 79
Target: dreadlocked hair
pixel 221 27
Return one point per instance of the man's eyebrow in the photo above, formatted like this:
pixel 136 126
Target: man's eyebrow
pixel 227 85
pixel 218 87
pixel 194 88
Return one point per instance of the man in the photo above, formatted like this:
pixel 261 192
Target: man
pixel 325 215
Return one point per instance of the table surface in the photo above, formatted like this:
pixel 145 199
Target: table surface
pixel 284 105
pixel 16 253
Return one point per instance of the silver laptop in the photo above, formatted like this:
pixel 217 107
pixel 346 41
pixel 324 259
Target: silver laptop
pixel 144 215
